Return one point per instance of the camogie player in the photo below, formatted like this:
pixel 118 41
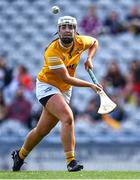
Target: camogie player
pixel 53 90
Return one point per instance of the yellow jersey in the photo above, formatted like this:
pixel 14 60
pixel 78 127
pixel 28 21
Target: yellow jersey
pixel 57 56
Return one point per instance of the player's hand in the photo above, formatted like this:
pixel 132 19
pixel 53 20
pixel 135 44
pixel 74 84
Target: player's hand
pixel 88 64
pixel 97 87
pixel 100 86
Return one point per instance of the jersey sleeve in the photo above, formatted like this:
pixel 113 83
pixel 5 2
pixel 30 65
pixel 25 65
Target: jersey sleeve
pixel 88 42
pixel 53 60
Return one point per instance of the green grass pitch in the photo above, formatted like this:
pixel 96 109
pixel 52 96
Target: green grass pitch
pixel 68 175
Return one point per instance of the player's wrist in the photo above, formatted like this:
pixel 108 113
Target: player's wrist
pixel 89 58
pixel 92 86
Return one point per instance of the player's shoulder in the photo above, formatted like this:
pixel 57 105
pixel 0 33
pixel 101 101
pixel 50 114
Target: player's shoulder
pixel 82 38
pixel 52 46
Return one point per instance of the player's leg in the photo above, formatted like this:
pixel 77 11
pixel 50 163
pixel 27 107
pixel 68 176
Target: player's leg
pixel 58 107
pixel 46 122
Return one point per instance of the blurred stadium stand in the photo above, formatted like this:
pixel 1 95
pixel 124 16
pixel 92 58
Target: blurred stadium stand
pixel 26 28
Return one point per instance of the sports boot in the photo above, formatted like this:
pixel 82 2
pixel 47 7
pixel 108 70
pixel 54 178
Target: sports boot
pixel 18 162
pixel 74 166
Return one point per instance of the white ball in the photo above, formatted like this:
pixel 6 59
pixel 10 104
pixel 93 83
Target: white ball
pixel 55 9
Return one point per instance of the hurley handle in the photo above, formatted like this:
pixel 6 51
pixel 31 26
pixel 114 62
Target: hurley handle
pixel 93 77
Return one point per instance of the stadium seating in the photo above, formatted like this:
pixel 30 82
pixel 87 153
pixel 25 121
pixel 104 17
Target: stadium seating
pixel 27 27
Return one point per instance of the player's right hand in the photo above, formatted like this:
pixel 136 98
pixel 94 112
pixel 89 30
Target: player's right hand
pixel 96 87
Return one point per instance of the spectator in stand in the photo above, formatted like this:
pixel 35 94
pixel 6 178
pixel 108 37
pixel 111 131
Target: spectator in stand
pixel 114 78
pixel 129 97
pixel 92 108
pixel 132 89
pixel 24 78
pixel 20 108
pixel 3 107
pixel 112 23
pixel 90 115
pixel 119 113
pixel 5 74
pixel 138 102
pixel 91 24
pixel 21 78
pixel 135 70
pixel 133 20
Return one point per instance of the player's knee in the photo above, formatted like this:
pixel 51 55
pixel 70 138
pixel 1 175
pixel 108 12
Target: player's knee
pixel 67 119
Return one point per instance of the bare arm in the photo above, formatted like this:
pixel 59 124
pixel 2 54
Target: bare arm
pixel 64 75
pixel 91 53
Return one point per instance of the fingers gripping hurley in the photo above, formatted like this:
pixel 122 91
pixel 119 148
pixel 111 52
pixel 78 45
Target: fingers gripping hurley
pixel 106 104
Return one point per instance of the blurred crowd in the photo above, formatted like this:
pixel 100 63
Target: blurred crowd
pixel 124 90
pixel 17 95
pixel 17 86
pixel 18 101
pixel 91 23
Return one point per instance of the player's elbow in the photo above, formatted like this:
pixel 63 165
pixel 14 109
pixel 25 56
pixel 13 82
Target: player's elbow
pixel 95 43
pixel 66 79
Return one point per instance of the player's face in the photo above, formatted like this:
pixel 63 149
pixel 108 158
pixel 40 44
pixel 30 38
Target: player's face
pixel 66 33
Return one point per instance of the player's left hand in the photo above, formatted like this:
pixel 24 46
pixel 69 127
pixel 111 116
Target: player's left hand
pixel 88 64
pixel 100 86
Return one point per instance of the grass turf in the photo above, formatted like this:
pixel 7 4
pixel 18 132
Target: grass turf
pixel 68 175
